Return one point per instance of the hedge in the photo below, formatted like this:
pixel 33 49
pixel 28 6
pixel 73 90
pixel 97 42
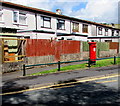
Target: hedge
pixel 101 46
pixel 85 46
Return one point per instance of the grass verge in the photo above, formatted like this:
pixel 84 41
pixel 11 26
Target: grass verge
pixel 100 63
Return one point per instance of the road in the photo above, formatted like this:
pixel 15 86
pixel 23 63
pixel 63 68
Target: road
pixel 102 90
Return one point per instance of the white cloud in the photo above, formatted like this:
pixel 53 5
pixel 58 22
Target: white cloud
pixel 100 11
pixel 95 10
pixel 23 2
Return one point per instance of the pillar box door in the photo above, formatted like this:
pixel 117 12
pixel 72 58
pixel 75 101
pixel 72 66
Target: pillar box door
pixel 92 52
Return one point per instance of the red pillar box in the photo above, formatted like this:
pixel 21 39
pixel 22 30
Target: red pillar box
pixel 92 52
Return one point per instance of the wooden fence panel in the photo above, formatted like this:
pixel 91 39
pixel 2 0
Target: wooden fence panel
pixel 114 45
pixel 70 47
pixel 43 47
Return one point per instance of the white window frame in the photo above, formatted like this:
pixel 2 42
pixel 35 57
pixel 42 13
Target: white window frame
pixel 75 28
pixel 117 33
pixel 44 20
pixel 1 14
pixel 24 17
pixel 106 31
pixel 85 28
pixel 18 18
pixel 1 11
pixel 61 22
pixel 100 30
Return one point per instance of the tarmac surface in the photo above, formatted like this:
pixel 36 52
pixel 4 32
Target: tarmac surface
pixel 85 93
pixel 10 84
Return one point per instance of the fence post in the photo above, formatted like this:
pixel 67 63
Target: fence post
pixel 114 59
pixel 24 73
pixel 58 65
pixel 89 65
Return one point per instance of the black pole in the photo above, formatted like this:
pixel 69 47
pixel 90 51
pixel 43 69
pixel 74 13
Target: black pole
pixel 58 65
pixel 24 73
pixel 114 59
pixel 89 64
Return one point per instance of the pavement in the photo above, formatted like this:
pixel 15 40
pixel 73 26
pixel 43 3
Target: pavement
pixel 17 74
pixel 15 81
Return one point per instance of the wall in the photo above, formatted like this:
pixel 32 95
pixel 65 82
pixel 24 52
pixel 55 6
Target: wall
pixel 114 45
pixel 39 50
pixel 93 30
pixel 103 31
pixel 48 51
pixel 41 36
pixel 104 49
pixel 8 19
pixel 12 66
pixel 52 51
pixel 31 22
pixel 70 50
pixel 44 51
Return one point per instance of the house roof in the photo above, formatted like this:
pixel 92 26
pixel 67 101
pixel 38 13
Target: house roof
pixel 36 10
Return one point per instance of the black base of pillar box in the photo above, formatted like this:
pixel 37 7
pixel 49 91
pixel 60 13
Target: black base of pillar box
pixel 93 62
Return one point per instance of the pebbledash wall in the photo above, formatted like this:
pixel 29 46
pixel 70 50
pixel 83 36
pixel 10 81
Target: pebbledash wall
pixel 47 51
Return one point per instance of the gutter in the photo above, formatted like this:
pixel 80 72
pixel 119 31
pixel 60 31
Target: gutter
pixel 104 37
pixel 71 34
pixel 39 31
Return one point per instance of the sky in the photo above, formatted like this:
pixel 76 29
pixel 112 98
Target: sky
pixel 101 11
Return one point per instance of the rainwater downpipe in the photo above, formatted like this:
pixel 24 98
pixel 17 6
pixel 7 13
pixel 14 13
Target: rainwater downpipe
pixel 70 26
pixel 36 33
pixel 36 23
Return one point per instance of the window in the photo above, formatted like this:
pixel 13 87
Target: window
pixel 1 14
pixel 15 16
pixel 117 33
pixel 46 22
pixel 85 28
pixel 60 24
pixel 106 32
pixel 99 30
pixel 112 32
pixel 22 18
pixel 75 27
pixel 19 17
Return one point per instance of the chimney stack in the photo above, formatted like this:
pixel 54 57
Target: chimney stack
pixel 113 25
pixel 59 12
